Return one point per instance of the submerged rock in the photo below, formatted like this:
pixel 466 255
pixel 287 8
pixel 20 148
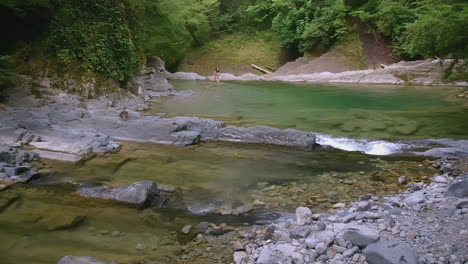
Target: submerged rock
pixel 6 199
pixel 64 221
pixel 138 193
pixel 267 135
pixel 81 260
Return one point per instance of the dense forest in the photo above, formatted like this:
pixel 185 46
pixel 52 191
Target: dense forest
pixel 112 37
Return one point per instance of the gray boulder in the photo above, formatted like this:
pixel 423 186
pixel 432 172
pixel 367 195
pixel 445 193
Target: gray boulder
pixel 360 235
pixel 390 252
pixel 303 216
pixel 459 189
pixel 81 260
pixel 139 193
pixel 415 198
pixel 279 254
pixel 300 232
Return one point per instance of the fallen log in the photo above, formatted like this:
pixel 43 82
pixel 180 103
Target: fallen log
pixel 260 69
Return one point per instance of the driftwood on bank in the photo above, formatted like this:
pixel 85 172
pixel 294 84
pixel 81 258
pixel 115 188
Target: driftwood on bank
pixel 260 69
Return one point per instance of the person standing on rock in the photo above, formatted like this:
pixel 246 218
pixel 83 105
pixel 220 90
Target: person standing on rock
pixel 216 76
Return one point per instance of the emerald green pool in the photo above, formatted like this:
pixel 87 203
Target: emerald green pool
pixel 366 112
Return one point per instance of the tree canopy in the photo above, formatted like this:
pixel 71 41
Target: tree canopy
pixel 112 37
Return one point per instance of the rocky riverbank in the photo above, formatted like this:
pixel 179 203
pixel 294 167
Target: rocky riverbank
pixel 427 223
pixel 427 72
pixel 66 127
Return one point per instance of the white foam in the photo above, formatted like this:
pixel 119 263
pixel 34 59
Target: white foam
pixel 378 147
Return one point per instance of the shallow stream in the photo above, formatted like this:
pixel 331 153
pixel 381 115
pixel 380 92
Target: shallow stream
pixel 215 178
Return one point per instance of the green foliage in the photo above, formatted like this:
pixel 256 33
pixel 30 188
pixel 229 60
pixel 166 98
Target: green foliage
pixel 328 25
pixel 94 36
pixel 423 28
pixel 6 74
pixel 440 30
pixel 311 24
pixel 111 37
pixel 290 27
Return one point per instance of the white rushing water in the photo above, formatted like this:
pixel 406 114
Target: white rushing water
pixel 378 147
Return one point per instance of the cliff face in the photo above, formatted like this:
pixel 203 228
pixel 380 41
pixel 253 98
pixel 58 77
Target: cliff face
pixel 356 51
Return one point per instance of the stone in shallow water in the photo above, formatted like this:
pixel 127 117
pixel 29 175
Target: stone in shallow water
pixel 138 193
pixel 186 229
pixel 64 221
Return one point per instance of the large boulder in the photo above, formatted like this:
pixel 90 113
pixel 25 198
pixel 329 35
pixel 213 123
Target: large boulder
pixel 360 235
pixel 390 252
pixel 81 260
pixel 139 193
pixel 459 189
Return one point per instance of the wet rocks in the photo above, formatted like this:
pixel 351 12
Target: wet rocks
pixel 65 221
pixel 390 252
pixel 402 180
pixel 15 166
pixel 81 260
pixel 139 193
pixel 186 229
pixel 303 216
pixel 360 235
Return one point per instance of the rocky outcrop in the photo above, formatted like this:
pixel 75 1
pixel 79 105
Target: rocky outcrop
pixel 186 76
pixel 139 194
pixel 81 260
pixel 428 72
pixel 15 166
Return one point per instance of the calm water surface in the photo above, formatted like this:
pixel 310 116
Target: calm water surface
pixel 369 112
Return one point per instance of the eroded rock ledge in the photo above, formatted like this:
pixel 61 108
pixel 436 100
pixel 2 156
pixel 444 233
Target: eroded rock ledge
pixel 61 123
pixel 428 72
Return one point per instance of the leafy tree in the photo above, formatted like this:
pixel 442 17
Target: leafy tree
pixel 94 36
pixel 328 24
pixel 439 30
